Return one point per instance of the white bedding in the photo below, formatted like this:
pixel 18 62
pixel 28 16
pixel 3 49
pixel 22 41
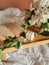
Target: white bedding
pixel 38 55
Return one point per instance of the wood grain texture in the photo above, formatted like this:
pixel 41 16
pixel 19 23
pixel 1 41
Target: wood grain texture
pixel 22 4
pixel 33 44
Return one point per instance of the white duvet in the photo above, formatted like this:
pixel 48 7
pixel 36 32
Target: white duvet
pixel 38 55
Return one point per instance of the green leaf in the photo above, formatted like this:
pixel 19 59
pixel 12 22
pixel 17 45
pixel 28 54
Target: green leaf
pixel 2 47
pixel 22 42
pixel 25 25
pixel 41 30
pixel 18 45
pixel 13 44
pixel 48 20
pixel 27 22
pixel 10 38
pixel 45 33
pixel 44 29
pixel 7 44
pixel 0 53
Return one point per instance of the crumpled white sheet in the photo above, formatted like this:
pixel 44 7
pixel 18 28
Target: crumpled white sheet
pixel 38 55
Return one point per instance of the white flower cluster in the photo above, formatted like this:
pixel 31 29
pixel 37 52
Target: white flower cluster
pixel 41 8
pixel 44 3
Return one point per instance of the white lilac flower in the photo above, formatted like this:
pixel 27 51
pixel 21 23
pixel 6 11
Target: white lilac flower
pixel 41 12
